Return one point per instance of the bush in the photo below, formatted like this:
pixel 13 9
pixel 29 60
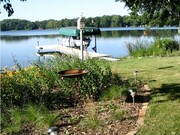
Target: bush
pixel 35 84
pixel 164 46
pixel 98 78
pixel 19 87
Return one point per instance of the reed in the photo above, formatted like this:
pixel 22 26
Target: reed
pixel 160 47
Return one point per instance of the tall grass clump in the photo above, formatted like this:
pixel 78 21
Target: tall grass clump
pixel 91 121
pixel 113 92
pixel 138 49
pixel 35 118
pixel 160 47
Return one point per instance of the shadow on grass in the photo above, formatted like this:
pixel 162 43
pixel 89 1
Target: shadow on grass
pixel 138 99
pixel 171 91
pixel 166 67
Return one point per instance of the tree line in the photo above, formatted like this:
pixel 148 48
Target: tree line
pixel 104 21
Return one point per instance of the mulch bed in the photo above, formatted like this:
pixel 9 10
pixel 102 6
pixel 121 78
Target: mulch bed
pixel 103 112
pixel 75 119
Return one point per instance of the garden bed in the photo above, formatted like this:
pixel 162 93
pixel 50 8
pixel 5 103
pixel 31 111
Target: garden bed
pixel 104 120
pixel 100 118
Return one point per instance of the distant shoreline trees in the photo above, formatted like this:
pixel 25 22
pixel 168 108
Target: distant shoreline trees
pixel 143 13
pixel 103 21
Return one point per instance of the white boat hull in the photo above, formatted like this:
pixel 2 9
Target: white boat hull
pixel 76 42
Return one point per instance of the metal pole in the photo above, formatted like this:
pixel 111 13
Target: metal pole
pixel 82 48
pixel 95 44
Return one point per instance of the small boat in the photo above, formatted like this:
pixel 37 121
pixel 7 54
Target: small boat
pixel 75 42
pixel 71 36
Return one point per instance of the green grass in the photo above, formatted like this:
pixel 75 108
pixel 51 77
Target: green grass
pixel 163 76
pixel 113 92
pixel 118 114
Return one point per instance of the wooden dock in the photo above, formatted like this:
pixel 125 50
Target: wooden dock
pixel 72 51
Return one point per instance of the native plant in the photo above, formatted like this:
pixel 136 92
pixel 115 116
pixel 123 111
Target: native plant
pixel 164 47
pixel 91 120
pixel 34 84
pixel 160 47
pixel 22 86
pixel 15 120
pixel 97 79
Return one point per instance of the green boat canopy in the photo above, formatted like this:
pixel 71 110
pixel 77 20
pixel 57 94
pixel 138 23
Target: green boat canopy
pixel 73 31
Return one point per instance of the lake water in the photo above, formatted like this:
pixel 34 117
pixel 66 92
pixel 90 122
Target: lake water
pixel 20 45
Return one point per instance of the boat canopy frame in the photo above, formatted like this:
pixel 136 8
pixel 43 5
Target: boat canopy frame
pixel 73 31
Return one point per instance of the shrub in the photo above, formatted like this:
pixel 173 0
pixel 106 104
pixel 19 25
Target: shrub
pixel 164 46
pixel 19 87
pixel 98 78
pixel 35 84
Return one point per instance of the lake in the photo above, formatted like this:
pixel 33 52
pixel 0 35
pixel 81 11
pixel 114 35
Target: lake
pixel 20 45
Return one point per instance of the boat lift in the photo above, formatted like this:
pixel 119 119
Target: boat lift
pixel 79 31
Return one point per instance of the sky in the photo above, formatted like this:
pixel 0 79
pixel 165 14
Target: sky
pixel 39 10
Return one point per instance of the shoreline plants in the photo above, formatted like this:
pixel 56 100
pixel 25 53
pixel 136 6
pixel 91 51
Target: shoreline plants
pixel 160 47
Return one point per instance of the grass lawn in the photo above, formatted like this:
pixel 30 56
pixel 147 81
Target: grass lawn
pixel 163 76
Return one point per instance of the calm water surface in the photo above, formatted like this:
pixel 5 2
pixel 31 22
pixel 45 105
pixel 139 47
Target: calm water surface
pixel 20 45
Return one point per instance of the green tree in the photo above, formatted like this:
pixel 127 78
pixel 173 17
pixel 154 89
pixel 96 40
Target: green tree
pixel 105 21
pixel 96 21
pixel 8 7
pixel 133 20
pixel 51 24
pixel 161 10
pixel 115 21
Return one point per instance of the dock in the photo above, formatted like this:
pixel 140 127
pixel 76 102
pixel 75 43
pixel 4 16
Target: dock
pixel 76 38
pixel 71 51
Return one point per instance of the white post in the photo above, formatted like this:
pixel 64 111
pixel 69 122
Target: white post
pixel 82 48
pixel 132 93
pixel 53 130
pixel 81 26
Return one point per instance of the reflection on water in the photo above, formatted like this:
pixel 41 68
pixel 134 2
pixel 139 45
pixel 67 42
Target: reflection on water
pixel 138 33
pixel 21 38
pixel 21 44
pixel 105 34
